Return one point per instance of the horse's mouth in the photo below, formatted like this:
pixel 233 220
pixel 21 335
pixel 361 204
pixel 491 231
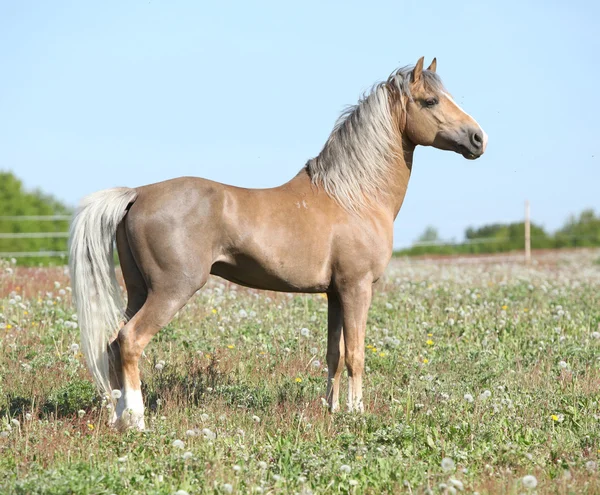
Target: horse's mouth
pixel 466 152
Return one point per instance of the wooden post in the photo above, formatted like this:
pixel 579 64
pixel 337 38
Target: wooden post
pixel 527 234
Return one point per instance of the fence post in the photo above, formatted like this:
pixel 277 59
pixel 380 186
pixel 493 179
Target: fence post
pixel 527 234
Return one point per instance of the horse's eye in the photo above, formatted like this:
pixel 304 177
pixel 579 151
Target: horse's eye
pixel 430 102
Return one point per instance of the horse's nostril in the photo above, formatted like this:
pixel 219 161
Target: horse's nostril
pixel 477 140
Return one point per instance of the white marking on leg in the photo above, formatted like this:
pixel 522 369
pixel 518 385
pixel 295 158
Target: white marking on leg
pixel 350 394
pixel 130 409
pixel 332 397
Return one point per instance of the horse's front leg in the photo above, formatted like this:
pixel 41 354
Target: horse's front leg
pixel 356 300
pixel 335 351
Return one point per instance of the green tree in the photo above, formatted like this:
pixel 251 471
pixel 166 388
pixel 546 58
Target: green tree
pixel 16 201
pixel 429 235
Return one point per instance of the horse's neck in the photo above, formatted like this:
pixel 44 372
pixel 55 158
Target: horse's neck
pixel 399 177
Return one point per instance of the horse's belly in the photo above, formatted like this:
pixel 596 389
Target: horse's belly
pixel 286 274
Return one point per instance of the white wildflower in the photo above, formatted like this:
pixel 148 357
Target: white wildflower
pixel 529 481
pixel 457 484
pixel 448 464
pixel 486 394
pixel 208 434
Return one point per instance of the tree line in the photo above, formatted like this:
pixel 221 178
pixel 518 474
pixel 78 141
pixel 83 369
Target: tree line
pixel 582 230
pixel 15 200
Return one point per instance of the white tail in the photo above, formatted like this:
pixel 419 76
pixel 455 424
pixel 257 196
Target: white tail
pixel 95 288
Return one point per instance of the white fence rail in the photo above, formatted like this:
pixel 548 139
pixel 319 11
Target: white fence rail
pixel 63 235
pixel 33 235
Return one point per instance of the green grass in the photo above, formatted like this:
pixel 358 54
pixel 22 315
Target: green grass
pixel 493 366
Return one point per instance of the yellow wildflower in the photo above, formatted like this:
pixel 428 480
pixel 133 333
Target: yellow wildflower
pixel 425 360
pixel 298 379
pixel 230 346
pixel 429 342
pixel 505 307
pixel 554 417
pixel 214 311
pixel 90 426
pixel 382 354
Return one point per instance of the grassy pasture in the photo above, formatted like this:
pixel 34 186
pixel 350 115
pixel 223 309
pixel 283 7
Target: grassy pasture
pixel 493 367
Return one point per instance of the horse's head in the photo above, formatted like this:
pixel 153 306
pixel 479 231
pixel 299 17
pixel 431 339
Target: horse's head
pixel 434 119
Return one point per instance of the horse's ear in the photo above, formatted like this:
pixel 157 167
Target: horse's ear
pixel 432 65
pixel 418 70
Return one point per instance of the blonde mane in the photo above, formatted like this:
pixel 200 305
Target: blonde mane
pixel 354 165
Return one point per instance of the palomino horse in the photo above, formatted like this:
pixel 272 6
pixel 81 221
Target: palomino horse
pixel 329 229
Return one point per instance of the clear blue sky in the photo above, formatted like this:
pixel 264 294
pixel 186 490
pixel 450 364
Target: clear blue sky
pixel 99 94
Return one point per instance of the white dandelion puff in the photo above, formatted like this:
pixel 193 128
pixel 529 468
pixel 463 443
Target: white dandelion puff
pixel 208 434
pixel 115 394
pixel 468 397
pixel 187 455
pixel 486 394
pixel 529 481
pixel 457 484
pixel 344 468
pixel 448 464
pixel 178 444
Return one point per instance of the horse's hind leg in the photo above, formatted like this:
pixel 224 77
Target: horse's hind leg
pixel 137 292
pixel 157 311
